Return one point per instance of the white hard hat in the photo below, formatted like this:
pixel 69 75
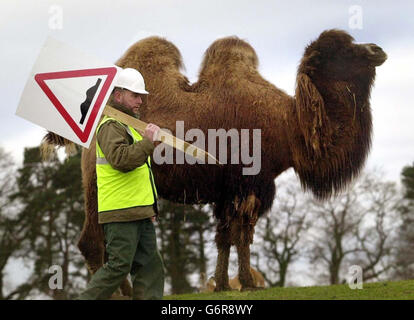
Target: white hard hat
pixel 132 80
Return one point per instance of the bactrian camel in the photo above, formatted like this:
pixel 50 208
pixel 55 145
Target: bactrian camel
pixel 323 132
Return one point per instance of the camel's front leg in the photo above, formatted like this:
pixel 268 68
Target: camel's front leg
pixel 245 276
pixel 243 238
pixel 223 247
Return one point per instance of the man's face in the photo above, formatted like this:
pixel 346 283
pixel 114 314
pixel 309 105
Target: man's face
pixel 129 99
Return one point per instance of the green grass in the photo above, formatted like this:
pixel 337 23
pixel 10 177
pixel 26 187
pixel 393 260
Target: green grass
pixel 400 290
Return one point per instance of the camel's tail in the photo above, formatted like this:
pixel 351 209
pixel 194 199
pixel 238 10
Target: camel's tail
pixel 49 143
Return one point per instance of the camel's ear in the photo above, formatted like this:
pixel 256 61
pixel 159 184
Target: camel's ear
pixel 312 118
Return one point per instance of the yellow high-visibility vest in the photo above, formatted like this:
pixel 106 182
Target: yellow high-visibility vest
pixel 122 190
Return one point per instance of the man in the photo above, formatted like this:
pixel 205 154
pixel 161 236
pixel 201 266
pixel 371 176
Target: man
pixel 127 199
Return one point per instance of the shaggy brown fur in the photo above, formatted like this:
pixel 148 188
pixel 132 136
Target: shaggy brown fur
pixel 324 132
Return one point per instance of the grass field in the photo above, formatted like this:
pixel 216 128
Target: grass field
pixel 400 290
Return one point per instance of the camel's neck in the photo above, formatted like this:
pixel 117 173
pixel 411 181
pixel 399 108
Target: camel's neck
pixel 333 137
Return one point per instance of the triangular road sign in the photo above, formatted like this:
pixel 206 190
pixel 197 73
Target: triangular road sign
pixel 109 72
pixel 67 91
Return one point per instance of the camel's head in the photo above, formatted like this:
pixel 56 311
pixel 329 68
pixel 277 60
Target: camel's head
pixel 333 110
pixel 336 56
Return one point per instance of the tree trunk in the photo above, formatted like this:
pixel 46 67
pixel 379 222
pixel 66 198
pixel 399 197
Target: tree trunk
pixel 179 282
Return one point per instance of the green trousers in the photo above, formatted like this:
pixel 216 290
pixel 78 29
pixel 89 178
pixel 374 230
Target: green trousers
pixel 131 248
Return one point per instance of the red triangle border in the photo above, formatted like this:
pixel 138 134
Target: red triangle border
pixel 110 72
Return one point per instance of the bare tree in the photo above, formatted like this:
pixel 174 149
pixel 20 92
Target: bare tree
pixel 375 241
pixel 404 255
pixel 280 234
pixel 335 222
pixel 10 236
pixel 356 228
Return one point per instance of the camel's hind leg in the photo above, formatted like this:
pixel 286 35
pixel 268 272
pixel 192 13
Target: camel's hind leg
pixel 245 276
pixel 91 241
pixel 223 246
pixel 242 234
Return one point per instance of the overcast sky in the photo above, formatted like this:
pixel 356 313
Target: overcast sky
pixel 278 30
